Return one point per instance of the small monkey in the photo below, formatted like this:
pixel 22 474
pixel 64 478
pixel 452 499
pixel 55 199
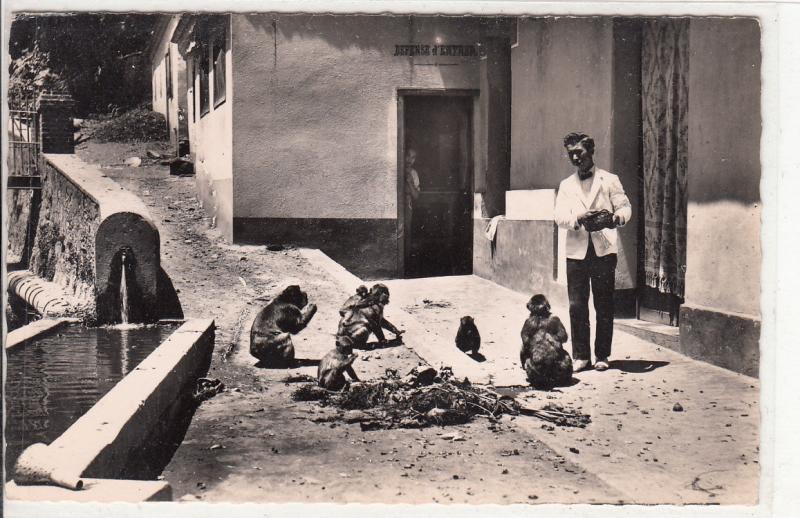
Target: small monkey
pixel 367 318
pixel 468 339
pixel 354 300
pixel 542 356
pixel 334 365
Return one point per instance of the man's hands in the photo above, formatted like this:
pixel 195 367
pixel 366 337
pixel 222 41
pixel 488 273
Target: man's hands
pixel 595 220
pixel 584 216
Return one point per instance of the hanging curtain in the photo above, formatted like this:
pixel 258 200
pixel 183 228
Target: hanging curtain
pixel 665 102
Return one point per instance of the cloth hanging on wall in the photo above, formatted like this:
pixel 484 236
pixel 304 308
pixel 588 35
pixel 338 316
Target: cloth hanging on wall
pixel 665 103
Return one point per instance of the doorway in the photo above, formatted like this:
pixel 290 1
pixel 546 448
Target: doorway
pixel 435 227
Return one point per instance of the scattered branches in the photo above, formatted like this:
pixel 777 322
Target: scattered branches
pixel 424 398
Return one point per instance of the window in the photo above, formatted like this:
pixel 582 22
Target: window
pixel 190 82
pixel 218 51
pixel 202 72
pixel 168 64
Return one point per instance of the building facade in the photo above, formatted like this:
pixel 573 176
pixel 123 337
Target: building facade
pixel 300 129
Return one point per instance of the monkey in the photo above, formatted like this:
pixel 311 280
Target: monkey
pixel 468 339
pixel 333 366
pixel 272 330
pixel 543 357
pixel 367 318
pixel 354 300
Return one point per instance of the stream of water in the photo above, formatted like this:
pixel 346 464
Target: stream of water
pixel 123 294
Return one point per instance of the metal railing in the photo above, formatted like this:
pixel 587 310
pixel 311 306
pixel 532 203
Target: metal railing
pixel 24 145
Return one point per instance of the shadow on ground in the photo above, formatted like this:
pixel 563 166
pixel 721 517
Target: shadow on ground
pixel 636 366
pixel 373 346
pixel 478 357
pixel 296 363
pixel 169 305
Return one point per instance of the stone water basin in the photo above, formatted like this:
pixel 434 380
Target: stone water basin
pixel 54 379
pixel 115 450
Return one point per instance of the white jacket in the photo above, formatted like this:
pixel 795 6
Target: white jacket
pixel 606 193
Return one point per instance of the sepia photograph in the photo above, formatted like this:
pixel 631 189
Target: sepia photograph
pixel 384 258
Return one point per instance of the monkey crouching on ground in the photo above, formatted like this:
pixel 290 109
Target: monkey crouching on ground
pixel 542 356
pixel 272 330
pixel 355 300
pixel 468 339
pixel 334 365
pixel 366 318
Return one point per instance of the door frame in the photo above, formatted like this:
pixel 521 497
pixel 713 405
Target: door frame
pixel 402 93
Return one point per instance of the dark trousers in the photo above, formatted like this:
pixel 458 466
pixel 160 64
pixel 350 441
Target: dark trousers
pixel 599 271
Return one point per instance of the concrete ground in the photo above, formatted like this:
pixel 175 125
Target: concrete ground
pixel 637 443
pixel 252 443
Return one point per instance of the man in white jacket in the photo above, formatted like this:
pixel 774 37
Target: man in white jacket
pixel 591 256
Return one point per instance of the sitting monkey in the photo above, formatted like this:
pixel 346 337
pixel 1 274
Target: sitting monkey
pixel 468 339
pixel 542 356
pixel 272 330
pixel 336 363
pixel 367 318
pixel 354 300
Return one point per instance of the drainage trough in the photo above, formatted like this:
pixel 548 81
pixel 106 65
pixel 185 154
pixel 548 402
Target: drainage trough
pixel 116 449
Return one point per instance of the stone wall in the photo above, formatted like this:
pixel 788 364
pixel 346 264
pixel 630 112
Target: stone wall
pixel 19 206
pixel 522 258
pixel 63 249
pixel 56 132
pixel 85 223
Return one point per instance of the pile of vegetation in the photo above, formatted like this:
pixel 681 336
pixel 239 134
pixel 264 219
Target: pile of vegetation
pixel 139 124
pixel 426 398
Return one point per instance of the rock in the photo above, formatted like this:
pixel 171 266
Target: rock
pixel 368 425
pixel 216 447
pixel 133 161
pixel 180 167
pixel 355 416
pixel 677 407
pixel 153 154
pixel 573 449
pixel 409 422
pixel 452 436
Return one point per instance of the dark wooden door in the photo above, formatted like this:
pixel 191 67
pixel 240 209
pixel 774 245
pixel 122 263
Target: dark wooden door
pixel 438 128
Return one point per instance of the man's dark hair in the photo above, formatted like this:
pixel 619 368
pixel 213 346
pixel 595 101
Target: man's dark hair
pixel 575 138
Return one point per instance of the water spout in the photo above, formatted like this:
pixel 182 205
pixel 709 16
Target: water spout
pixel 123 293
